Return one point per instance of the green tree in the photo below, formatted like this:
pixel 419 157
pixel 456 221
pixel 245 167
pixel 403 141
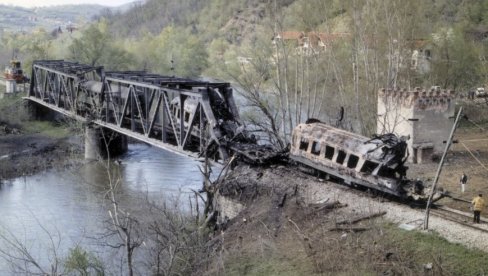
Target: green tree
pixel 173 52
pixel 83 263
pixel 457 62
pixel 27 47
pixel 96 46
pixel 35 46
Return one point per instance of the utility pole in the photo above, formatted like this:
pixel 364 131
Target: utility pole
pixel 439 169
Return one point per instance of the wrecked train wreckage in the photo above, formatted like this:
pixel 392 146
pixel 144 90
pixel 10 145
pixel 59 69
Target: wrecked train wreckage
pixel 226 135
pixel 187 116
pixel 377 163
pixel 200 118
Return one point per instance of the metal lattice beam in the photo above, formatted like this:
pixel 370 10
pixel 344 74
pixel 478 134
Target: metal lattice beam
pixel 168 112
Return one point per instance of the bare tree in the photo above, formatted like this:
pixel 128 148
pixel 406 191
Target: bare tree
pixel 18 254
pixel 123 224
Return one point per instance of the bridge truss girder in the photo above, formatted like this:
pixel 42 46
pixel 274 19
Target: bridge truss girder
pixel 181 115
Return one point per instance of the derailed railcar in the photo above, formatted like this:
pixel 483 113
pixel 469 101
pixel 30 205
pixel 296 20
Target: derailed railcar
pixel 377 163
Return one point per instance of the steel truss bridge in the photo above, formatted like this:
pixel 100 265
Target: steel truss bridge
pixel 185 116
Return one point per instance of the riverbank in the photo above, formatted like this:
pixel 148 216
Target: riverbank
pixel 28 154
pixel 31 146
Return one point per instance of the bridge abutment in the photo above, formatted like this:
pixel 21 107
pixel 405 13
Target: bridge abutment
pixel 103 143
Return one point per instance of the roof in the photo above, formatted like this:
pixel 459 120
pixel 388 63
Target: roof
pixel 313 39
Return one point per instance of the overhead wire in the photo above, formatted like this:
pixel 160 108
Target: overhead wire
pixel 475 158
pixel 474 140
pixel 480 127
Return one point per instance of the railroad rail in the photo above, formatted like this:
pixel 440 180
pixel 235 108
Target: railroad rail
pixel 457 216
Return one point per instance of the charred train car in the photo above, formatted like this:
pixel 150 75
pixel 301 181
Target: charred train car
pixel 376 163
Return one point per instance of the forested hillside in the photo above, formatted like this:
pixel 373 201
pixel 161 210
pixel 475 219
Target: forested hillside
pixel 23 19
pixel 292 59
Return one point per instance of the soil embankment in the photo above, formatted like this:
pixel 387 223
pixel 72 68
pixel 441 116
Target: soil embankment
pixel 26 154
pixel 292 223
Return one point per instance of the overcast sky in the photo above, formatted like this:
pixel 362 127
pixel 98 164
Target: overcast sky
pixel 39 3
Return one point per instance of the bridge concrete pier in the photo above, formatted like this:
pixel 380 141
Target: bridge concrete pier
pixel 101 143
pixel 93 145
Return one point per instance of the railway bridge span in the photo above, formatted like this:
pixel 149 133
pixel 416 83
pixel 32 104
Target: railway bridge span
pixel 186 116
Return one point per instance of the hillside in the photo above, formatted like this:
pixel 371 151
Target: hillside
pixel 209 19
pixel 14 18
pixel 219 17
pixel 327 53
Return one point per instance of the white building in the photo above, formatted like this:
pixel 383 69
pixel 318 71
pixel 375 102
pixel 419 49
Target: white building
pixel 425 116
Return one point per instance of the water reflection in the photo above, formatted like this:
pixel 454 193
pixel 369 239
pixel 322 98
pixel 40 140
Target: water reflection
pixel 70 203
pixel 159 173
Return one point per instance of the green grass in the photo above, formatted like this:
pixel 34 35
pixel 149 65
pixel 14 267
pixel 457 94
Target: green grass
pixel 14 112
pixel 426 248
pixel 411 251
pixel 46 128
pixel 12 109
pixel 9 99
pixel 269 264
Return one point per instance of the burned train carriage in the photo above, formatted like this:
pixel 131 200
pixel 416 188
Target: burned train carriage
pixel 376 163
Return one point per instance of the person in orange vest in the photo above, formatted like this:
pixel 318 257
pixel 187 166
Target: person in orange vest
pixel 478 205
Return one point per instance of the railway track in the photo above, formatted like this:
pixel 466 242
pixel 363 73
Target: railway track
pixel 444 212
pixel 438 210
pixel 459 217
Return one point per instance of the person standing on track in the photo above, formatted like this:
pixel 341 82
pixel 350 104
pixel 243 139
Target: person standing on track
pixel 463 180
pixel 478 205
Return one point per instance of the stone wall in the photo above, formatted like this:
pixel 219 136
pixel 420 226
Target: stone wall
pixel 424 115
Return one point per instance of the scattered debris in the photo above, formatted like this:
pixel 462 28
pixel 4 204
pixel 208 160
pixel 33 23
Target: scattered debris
pixel 358 219
pixel 316 207
pixel 407 227
pixel 350 229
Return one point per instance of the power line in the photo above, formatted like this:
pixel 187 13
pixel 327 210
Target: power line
pixel 480 127
pixel 483 165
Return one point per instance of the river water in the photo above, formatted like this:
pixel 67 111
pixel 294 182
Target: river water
pixel 69 206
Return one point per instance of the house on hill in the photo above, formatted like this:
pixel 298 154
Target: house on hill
pixel 70 27
pixel 309 43
pixel 421 56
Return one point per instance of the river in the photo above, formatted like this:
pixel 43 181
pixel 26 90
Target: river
pixel 69 204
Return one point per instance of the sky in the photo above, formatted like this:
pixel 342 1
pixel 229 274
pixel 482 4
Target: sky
pixel 42 3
